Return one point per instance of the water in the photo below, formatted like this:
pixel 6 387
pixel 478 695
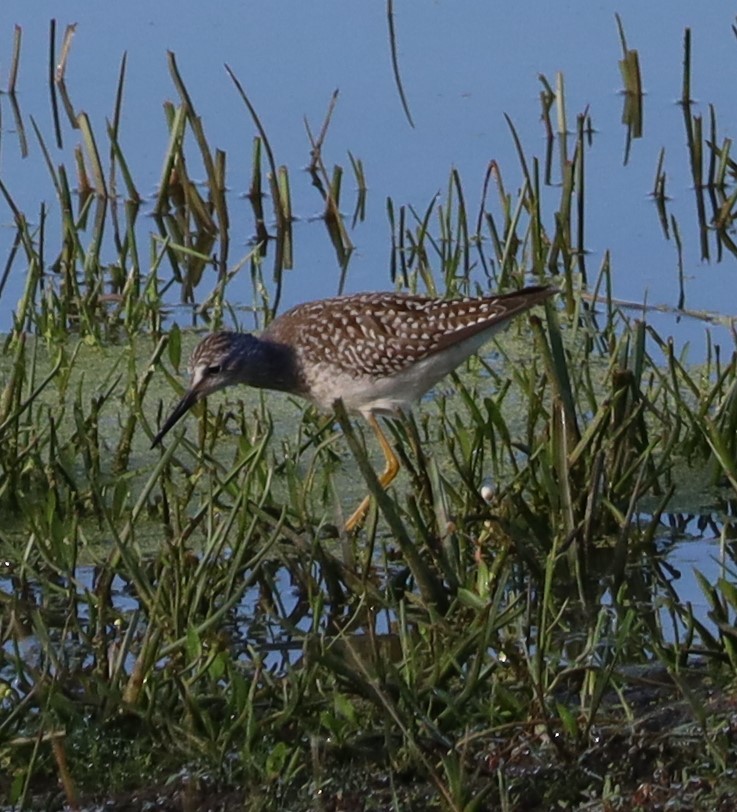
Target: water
pixel 461 73
pixel 276 635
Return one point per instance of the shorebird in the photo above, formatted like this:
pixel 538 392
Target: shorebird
pixel 377 352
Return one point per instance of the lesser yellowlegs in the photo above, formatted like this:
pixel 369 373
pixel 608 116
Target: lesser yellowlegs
pixel 377 352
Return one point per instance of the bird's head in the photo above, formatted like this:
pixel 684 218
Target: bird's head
pixel 219 360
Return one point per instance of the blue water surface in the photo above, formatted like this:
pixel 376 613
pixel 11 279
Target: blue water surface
pixel 463 67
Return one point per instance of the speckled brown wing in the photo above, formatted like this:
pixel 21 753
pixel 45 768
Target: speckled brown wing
pixel 381 334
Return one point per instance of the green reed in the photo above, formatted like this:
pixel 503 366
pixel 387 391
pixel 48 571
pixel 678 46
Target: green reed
pixel 196 608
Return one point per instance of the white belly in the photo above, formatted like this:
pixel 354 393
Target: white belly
pixel 364 395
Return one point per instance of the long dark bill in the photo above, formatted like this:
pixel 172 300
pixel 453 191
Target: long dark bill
pixel 184 405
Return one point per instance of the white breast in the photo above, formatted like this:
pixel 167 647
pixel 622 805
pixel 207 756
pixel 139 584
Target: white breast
pixel 363 394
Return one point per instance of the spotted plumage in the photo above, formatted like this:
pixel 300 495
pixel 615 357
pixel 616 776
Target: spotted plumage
pixel 378 334
pixel 377 352
pixel 380 352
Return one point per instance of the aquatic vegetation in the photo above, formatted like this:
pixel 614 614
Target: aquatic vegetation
pixel 505 623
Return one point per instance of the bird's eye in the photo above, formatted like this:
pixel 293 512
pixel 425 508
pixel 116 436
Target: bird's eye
pixel 214 369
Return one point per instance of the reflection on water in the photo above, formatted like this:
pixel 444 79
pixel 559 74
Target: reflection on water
pixel 274 624
pixel 457 107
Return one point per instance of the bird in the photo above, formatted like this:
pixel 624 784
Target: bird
pixel 379 353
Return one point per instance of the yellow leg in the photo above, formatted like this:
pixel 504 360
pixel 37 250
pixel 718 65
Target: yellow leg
pixel 387 476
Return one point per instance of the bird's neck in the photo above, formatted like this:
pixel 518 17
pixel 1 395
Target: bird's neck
pixel 271 366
